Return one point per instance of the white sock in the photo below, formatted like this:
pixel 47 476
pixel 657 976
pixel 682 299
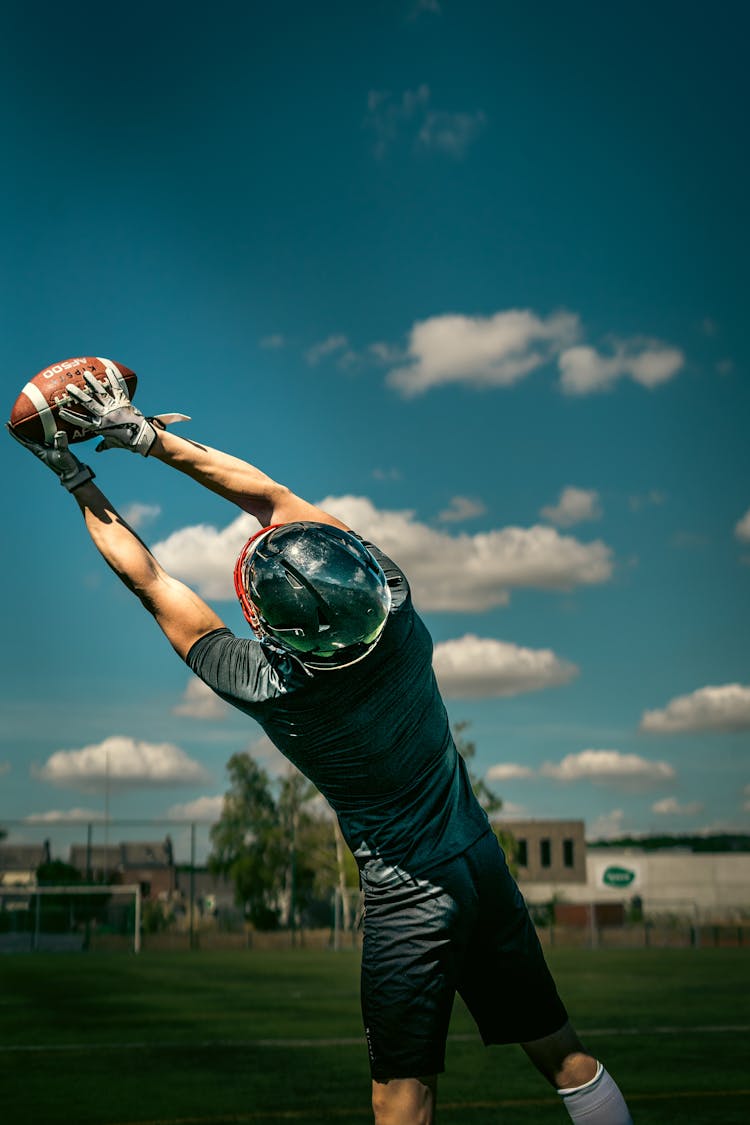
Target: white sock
pixel 598 1102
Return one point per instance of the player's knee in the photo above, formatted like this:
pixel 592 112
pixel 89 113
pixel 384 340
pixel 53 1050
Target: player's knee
pixel 562 1058
pixel 403 1101
pixel 573 1070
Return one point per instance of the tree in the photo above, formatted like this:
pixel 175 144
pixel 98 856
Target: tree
pixel 318 860
pixel 268 841
pixel 488 799
pixel 295 822
pixel 247 843
pixel 335 868
pixel 57 873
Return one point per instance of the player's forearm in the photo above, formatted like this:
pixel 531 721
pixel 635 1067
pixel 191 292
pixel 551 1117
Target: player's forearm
pixel 234 479
pixel 117 543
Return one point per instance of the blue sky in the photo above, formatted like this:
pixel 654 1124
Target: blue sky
pixel 475 275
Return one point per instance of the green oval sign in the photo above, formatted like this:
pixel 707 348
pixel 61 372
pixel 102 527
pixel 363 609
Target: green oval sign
pixel 618 876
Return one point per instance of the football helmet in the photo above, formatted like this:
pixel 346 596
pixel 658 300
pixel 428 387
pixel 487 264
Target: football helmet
pixel 315 590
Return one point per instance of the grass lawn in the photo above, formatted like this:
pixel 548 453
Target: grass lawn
pixel 204 1038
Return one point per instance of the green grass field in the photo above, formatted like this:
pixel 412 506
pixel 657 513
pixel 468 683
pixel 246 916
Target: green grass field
pixel 206 1039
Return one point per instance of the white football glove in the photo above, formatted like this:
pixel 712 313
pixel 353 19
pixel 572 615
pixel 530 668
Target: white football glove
pixel 106 410
pixel 58 458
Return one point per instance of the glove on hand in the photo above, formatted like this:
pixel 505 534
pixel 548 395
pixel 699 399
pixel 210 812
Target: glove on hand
pixel 105 409
pixel 58 458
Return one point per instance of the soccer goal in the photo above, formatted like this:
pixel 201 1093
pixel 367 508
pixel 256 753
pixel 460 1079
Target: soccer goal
pixel 39 919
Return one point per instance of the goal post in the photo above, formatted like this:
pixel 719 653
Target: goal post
pixel 68 910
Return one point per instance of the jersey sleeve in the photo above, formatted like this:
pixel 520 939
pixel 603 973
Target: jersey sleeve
pixel 236 668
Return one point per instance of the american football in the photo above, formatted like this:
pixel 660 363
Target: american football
pixel 35 414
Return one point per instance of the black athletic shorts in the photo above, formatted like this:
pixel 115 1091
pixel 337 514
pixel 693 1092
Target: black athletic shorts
pixel 464 928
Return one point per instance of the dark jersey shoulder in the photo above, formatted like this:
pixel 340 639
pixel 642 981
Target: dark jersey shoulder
pixel 373 737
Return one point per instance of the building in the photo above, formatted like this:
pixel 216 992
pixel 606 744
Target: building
pixel 705 886
pixel 96 864
pixel 548 850
pixel 150 864
pixel 19 862
pixel 554 864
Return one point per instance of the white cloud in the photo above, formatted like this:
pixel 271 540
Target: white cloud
pixel 204 557
pixel 489 351
pixel 349 360
pixel 509 771
pixel 273 342
pixel 463 572
pixel 388 117
pixel 608 826
pixel 654 497
pixel 200 702
pixel 325 347
pixel 688 540
pixel 607 766
pixel 121 762
pixel 511 811
pixel 384 352
pixel 670 806
pixel 462 508
pixel 412 117
pixel 451 133
pixel 649 362
pixel 574 506
pixel 59 816
pixel 477 667
pixel 389 475
pixel 138 515
pixel 474 572
pixel 742 528
pixel 202 808
pixel 269 756
pixel 721 709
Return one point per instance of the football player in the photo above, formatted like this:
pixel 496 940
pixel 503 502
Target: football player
pixel 339 675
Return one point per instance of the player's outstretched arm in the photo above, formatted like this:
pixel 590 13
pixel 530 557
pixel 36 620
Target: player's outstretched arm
pixel 237 481
pixel 105 411
pixel 182 616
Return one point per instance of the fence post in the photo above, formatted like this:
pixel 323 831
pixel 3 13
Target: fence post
pixel 87 932
pixel 37 912
pixel 594 935
pixel 336 925
pixel 192 886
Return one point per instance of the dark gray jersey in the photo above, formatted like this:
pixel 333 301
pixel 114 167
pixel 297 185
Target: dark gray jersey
pixel 373 737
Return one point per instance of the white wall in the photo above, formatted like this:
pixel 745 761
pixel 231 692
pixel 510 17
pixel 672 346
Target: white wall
pixel 702 885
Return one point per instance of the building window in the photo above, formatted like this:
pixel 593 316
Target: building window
pixel 545 853
pixel 522 853
pixel 568 860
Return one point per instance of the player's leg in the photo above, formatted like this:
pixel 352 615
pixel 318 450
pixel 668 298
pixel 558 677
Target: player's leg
pixel 404 1101
pixel 589 1092
pixel 509 990
pixel 561 1058
pixel 408 987
pixel 505 981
